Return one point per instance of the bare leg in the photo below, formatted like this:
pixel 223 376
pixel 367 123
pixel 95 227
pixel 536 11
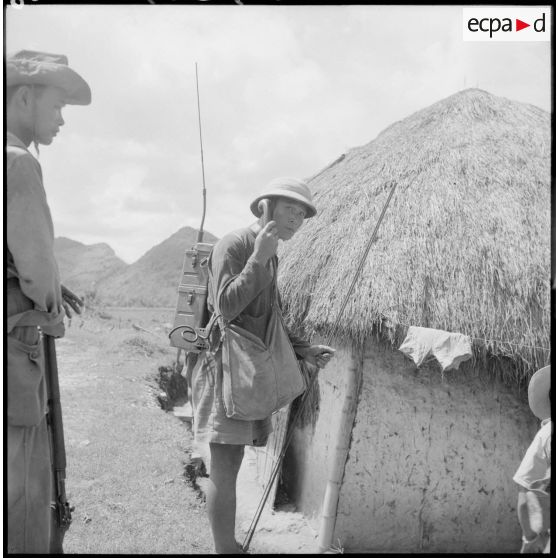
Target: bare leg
pixel 221 495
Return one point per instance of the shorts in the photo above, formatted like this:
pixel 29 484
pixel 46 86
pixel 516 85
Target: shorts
pixel 211 424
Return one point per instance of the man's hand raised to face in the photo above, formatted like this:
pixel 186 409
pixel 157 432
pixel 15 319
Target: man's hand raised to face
pixel 266 243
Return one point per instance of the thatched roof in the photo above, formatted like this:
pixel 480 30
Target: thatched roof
pixel 465 245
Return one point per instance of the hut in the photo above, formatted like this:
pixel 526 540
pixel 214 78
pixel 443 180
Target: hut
pixel 390 457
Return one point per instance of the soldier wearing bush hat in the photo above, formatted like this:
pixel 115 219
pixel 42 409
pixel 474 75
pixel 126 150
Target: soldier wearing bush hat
pixel 28 67
pixel 38 85
pixel 29 74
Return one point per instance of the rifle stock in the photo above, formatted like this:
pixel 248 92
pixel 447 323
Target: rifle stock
pixel 61 516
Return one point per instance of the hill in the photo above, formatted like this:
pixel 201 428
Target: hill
pixel 83 266
pixel 153 279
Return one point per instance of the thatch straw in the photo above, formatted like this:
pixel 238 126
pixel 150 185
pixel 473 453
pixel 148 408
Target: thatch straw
pixel 464 246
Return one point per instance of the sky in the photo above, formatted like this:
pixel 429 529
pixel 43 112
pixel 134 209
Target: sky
pixel 284 91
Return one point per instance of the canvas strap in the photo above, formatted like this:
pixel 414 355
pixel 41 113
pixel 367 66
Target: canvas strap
pixel 224 323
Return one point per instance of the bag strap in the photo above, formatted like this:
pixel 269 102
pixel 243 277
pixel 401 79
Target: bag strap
pixel 275 287
pixel 217 316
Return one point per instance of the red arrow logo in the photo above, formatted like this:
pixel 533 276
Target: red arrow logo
pixel 519 25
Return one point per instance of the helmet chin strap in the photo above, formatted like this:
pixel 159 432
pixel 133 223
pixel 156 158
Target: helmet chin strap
pixel 34 117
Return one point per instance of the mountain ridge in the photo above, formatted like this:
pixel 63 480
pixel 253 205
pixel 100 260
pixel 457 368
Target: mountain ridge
pixel 95 271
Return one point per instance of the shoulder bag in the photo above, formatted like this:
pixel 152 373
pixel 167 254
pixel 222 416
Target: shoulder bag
pixel 259 377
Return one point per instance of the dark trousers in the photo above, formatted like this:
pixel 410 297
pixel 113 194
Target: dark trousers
pixel 29 476
pixel 29 489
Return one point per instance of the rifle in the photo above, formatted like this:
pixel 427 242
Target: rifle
pixel 62 513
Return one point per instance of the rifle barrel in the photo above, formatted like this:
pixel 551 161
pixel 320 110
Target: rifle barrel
pixel 62 510
pixel 54 406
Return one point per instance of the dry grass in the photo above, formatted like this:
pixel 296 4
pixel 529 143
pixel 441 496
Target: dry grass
pixel 465 243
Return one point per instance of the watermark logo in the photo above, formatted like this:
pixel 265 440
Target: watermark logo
pixel 507 24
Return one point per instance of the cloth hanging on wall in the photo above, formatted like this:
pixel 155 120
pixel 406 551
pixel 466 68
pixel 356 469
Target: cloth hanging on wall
pixel 449 349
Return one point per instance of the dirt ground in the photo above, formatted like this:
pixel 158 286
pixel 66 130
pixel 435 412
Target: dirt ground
pixel 128 458
pixel 278 531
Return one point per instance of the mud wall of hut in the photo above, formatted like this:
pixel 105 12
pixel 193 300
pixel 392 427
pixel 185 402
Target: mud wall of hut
pixel 304 474
pixel 431 460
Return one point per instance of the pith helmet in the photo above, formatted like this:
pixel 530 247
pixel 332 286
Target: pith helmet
pixel 286 187
pixel 538 393
pixel 30 67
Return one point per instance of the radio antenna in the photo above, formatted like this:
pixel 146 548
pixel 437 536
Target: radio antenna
pixel 200 232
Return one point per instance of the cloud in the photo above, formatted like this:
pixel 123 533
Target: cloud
pixel 284 90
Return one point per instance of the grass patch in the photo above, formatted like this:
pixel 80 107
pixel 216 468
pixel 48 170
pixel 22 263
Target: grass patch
pixel 146 346
pixel 126 459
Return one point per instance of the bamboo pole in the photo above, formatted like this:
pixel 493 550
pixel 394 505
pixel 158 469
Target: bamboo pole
pixel 340 454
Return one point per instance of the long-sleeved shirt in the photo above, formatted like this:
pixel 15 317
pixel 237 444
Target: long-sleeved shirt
pixel 244 288
pixel 30 239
